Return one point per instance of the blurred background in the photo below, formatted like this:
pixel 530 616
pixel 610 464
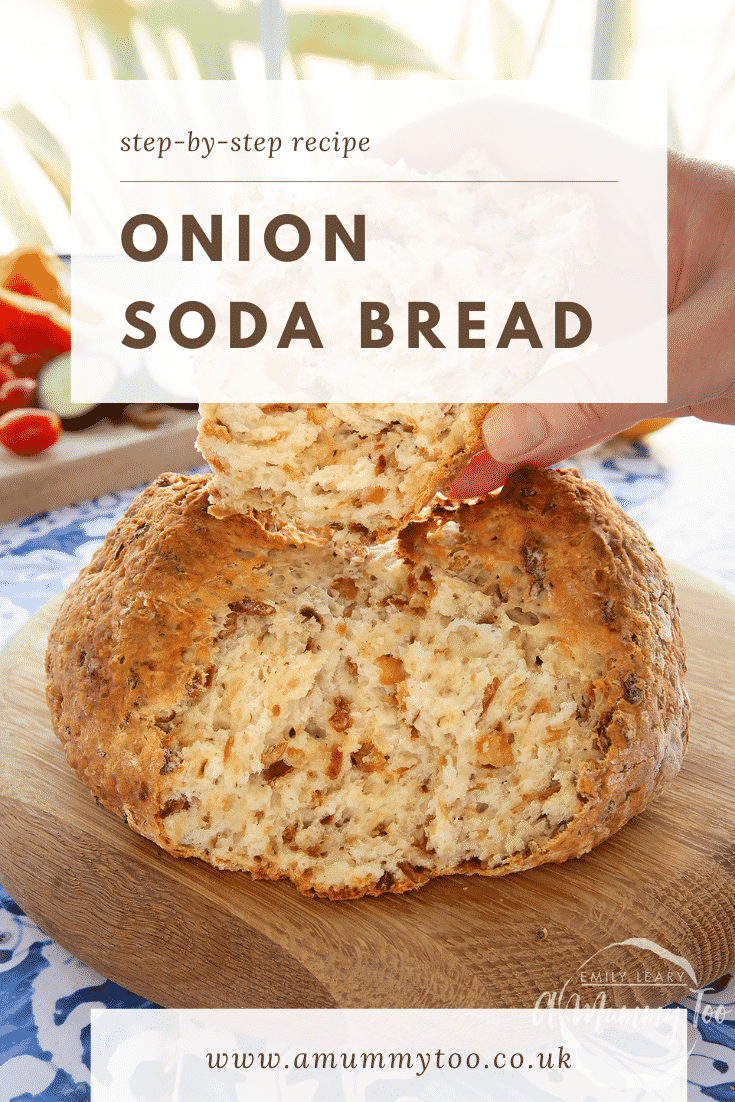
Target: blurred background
pixel 689 46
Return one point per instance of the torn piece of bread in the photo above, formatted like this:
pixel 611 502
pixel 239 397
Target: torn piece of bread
pixel 352 474
pixel 500 688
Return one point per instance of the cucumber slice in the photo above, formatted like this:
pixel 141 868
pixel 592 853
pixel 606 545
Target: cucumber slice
pixel 54 393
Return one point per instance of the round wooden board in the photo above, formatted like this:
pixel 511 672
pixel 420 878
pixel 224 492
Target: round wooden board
pixel 183 934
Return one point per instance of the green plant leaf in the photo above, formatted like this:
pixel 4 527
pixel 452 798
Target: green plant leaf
pixel 614 39
pixel 359 39
pixel 202 23
pixel 160 43
pixel 509 43
pixel 625 38
pixel 210 31
pixel 213 62
pixel 207 29
pixel 299 68
pixel 110 21
pixel 24 222
pixel 535 50
pixel 461 44
pixel 46 151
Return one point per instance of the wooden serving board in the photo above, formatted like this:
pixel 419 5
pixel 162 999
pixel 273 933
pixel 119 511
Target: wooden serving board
pixel 98 460
pixel 183 934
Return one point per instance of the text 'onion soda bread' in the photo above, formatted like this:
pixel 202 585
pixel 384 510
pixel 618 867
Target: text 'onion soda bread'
pixel 498 688
pixel 351 474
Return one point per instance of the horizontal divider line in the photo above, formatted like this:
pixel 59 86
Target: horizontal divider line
pixel 369 181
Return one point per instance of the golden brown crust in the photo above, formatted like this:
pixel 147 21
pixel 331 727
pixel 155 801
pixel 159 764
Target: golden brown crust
pixel 138 633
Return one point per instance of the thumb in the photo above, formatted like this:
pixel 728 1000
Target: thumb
pixel 571 407
pixel 539 434
pixel 581 402
pixel 546 433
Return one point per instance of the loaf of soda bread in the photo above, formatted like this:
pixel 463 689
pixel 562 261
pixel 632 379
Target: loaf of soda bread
pixel 351 474
pixel 499 687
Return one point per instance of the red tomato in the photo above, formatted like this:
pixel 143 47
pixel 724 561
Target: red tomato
pixel 16 393
pixel 27 364
pixel 29 431
pixel 6 373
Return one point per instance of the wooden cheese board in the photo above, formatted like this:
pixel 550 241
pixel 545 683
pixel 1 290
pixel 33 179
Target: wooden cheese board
pixel 98 460
pixel 655 904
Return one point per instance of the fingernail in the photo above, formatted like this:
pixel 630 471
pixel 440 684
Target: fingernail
pixel 512 431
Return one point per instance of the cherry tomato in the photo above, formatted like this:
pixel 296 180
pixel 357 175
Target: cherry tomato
pixel 16 393
pixel 29 431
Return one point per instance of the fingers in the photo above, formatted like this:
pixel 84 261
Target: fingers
pixel 480 476
pixel 701 343
pixel 511 436
pixel 721 410
pixel 544 434
pixel 701 370
pixel 539 435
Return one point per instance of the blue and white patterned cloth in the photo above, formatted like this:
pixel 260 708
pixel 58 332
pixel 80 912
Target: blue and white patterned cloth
pixel 681 488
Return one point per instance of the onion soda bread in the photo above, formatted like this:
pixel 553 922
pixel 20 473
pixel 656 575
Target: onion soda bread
pixel 351 474
pixel 498 687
